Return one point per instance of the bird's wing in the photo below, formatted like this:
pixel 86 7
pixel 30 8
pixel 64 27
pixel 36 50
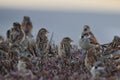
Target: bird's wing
pixel 92 38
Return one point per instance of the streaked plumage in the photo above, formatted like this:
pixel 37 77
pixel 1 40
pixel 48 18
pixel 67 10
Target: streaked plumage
pixel 112 46
pixel 88 43
pixel 42 40
pixel 65 47
pixel 90 58
pixel 88 33
pixel 115 42
pixel 27 26
pixel 15 34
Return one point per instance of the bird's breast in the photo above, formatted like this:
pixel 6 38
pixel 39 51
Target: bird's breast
pixel 84 44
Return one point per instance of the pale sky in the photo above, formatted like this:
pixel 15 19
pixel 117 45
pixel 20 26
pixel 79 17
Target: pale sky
pixel 69 5
pixel 59 22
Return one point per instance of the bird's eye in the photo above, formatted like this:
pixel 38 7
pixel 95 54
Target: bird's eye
pixel 95 67
pixel 82 36
pixel 85 29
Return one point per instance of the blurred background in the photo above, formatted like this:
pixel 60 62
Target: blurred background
pixel 64 17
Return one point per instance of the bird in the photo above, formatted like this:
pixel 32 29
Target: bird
pixel 113 46
pixel 65 47
pixel 115 42
pixel 42 39
pixel 88 33
pixel 88 43
pixel 29 41
pixel 98 71
pixel 15 34
pixel 27 26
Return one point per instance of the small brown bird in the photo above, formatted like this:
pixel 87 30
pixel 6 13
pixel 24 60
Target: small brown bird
pixel 89 43
pixel 115 42
pixel 65 47
pixel 87 40
pixel 42 40
pixel 27 26
pixel 15 34
pixel 88 33
pixel 29 41
pixel 113 46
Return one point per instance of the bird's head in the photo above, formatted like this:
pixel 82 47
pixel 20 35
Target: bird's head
pixel 116 39
pixel 43 31
pixel 86 28
pixel 67 39
pixel 16 26
pixel 26 19
pixel 99 71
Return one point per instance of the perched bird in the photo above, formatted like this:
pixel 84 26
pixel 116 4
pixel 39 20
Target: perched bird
pixel 88 33
pixel 42 40
pixel 115 42
pixel 65 47
pixel 27 26
pixel 87 39
pixel 113 46
pixel 98 71
pixel 15 34
pixel 29 42
pixel 88 43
